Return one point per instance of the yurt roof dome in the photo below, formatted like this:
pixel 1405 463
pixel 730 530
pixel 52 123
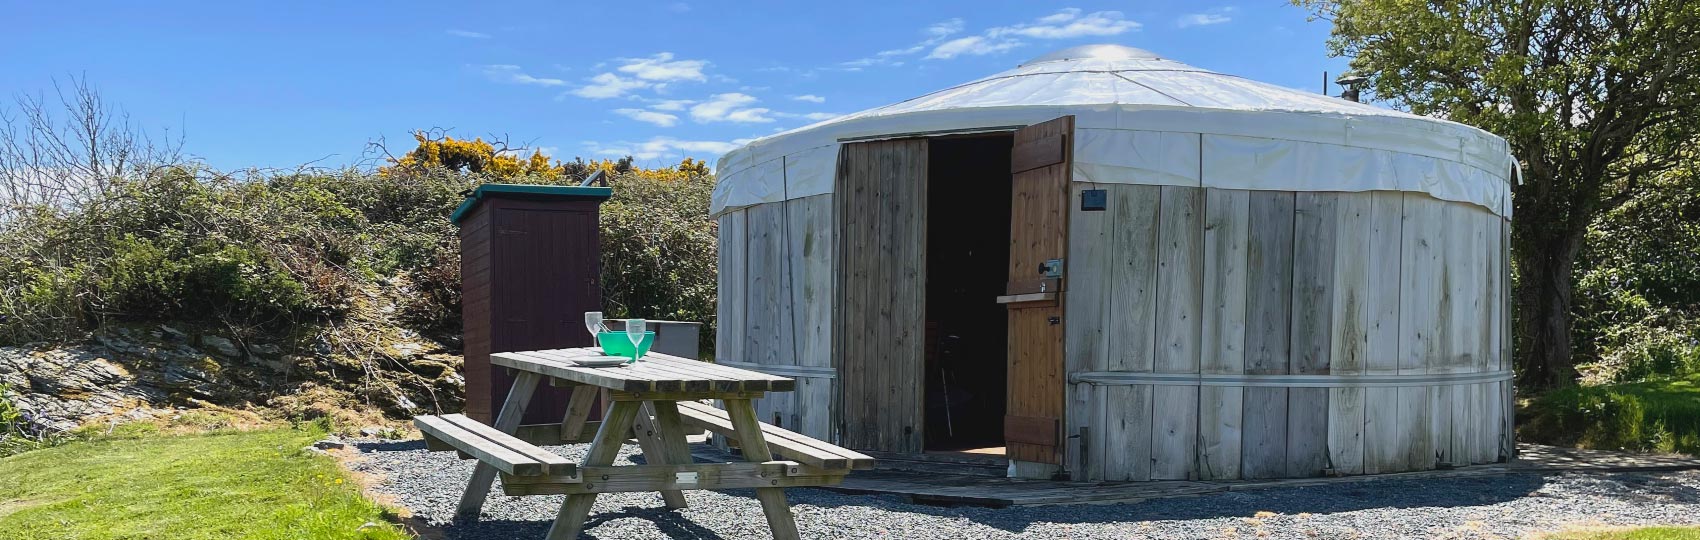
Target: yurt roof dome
pixel 1144 119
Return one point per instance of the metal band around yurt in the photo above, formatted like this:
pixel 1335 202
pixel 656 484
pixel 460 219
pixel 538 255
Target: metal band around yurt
pixel 1122 378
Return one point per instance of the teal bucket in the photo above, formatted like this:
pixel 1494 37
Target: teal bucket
pixel 617 344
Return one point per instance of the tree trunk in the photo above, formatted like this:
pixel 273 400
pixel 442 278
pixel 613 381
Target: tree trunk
pixel 1546 258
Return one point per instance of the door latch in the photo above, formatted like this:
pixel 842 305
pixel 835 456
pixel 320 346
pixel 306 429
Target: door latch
pixel 1054 320
pixel 1051 269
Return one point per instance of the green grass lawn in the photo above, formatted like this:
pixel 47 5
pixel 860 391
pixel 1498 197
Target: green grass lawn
pixel 249 485
pixel 1650 533
pixel 1651 416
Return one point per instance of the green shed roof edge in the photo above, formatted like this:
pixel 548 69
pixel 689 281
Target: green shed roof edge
pixel 472 199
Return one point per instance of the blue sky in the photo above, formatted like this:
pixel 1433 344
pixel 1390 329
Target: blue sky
pixel 279 84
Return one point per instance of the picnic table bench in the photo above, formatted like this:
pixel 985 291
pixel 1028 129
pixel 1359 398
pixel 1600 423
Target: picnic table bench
pixel 655 400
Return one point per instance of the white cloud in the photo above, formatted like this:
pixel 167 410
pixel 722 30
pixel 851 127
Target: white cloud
pixel 818 116
pixel 679 7
pixel 510 73
pixel 729 107
pixel 1067 23
pixel 971 45
pixel 456 32
pixel 609 85
pixel 657 118
pixel 945 28
pixel 671 104
pixel 750 116
pixel 937 32
pixel 811 98
pixel 662 67
pixel 1214 16
pixel 1062 16
pixel 668 147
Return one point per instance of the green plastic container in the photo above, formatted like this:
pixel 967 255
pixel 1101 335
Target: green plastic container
pixel 617 344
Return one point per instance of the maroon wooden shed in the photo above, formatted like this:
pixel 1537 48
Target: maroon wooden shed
pixel 529 265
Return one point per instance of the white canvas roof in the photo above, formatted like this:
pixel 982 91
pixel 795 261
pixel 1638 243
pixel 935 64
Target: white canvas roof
pixel 1142 119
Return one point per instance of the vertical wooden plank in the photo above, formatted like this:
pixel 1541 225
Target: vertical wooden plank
pixel 1227 215
pixel 1486 420
pixel 1507 424
pixel 811 254
pixel 1132 327
pixel 1460 324
pixel 1314 220
pixel 1133 275
pixel 1349 339
pixel 1127 441
pixel 1420 305
pixel 904 371
pixel 768 292
pixel 1086 308
pixel 1180 253
pixel 1269 293
pixel 1384 438
pixel 730 335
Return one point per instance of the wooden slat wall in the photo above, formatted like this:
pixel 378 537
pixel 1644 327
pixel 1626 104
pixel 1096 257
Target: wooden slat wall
pixel 767 293
pixel 1267 282
pixel 1269 256
pixel 1349 338
pixel 1315 217
pixel 1385 444
pixel 1226 233
pixel 1179 304
pixel 810 233
pixel 881 200
pixel 729 337
pixel 1132 230
pixel 1087 308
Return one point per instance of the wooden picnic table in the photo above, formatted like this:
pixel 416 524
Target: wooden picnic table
pixel 653 399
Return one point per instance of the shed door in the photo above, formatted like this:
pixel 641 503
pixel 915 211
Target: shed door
pixel 882 204
pixel 1040 164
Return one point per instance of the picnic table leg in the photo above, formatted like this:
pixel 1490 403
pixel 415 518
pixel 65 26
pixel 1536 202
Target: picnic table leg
pixel 754 445
pixel 578 411
pixel 672 429
pixel 609 437
pixel 655 452
pixel 507 421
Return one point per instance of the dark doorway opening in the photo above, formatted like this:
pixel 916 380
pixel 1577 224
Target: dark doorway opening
pixel 967 331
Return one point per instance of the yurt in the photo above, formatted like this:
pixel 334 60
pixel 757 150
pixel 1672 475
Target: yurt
pixel 1109 265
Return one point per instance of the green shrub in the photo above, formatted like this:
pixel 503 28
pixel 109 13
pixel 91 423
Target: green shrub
pixel 285 254
pixel 1660 416
pixel 659 251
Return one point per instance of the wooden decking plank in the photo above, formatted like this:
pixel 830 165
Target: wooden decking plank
pixel 487 451
pixel 723 382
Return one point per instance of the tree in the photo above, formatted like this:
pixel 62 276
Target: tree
pixel 1594 97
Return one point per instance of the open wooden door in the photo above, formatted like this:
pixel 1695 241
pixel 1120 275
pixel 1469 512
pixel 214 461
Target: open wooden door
pixel 881 194
pixel 1040 163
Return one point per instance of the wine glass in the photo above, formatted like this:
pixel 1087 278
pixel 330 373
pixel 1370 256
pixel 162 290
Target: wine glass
pixel 593 323
pixel 634 332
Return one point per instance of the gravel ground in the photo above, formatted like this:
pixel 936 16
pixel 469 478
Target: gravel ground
pixel 429 485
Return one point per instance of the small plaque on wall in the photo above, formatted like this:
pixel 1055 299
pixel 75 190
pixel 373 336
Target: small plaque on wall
pixel 1093 200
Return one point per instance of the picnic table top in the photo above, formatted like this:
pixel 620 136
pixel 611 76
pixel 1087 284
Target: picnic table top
pixel 654 372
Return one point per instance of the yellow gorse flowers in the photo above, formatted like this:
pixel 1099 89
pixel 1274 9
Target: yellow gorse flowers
pixel 478 156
